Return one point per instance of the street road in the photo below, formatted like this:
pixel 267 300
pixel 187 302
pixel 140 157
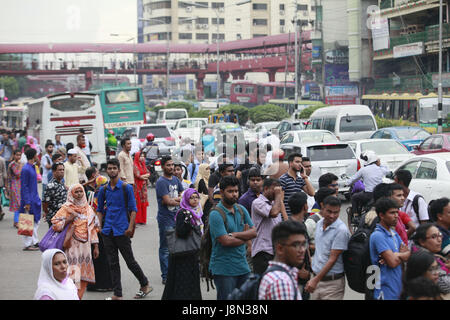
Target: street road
pixel 19 270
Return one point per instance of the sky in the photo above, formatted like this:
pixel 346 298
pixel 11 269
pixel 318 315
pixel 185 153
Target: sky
pixel 67 21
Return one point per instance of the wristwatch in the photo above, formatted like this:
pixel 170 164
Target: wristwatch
pixel 230 234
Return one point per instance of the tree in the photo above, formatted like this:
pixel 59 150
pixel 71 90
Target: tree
pixel 11 87
pixel 267 112
pixel 306 113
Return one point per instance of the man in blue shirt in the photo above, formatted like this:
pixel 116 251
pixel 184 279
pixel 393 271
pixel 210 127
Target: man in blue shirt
pixel 29 198
pixel 168 194
pixel 331 240
pixel 255 182
pixel 118 228
pixel 387 251
pixel 228 262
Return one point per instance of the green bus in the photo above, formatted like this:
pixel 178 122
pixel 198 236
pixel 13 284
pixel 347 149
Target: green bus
pixel 289 105
pixel 122 107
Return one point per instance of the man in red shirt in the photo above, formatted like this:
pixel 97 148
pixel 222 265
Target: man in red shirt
pixel 405 226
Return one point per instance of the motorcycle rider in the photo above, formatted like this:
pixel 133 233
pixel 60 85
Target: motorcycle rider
pixel 372 174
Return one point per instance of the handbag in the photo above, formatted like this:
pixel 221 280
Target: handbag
pixel 179 246
pixel 5 201
pixel 26 224
pixel 53 239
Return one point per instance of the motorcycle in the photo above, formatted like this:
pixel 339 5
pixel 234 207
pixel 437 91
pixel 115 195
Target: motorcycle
pixel 154 167
pixel 354 220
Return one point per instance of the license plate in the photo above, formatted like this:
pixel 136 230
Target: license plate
pixel 158 168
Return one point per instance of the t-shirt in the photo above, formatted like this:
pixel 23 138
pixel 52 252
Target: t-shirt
pixel 208 143
pixel 172 187
pixel 290 186
pixel 390 284
pixel 228 261
pixel 408 208
pixel 7 148
pixel 46 160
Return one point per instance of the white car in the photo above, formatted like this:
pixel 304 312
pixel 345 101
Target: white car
pixel 190 128
pixel 391 152
pixel 430 175
pixel 308 136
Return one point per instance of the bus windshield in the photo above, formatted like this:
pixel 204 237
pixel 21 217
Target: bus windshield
pixel 428 112
pixel 175 115
pixel 72 104
pixel 122 96
pixel 357 123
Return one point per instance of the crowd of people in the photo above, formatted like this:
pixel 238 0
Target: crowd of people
pixel 263 219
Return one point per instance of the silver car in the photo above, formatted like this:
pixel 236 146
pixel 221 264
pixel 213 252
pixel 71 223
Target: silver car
pixel 337 158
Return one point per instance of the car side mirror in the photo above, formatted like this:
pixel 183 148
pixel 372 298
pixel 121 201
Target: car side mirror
pixel 390 175
pixel 415 147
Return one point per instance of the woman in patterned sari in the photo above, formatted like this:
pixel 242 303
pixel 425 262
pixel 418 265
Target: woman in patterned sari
pixel 141 176
pixel 84 228
pixel 14 169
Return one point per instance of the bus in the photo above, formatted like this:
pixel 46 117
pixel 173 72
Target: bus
pixel 14 117
pixel 65 114
pixel 294 111
pixel 418 108
pixel 250 94
pixel 122 108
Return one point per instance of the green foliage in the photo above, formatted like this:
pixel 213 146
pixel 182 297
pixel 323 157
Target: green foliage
pixel 11 86
pixel 241 111
pixel 306 113
pixel 267 112
pixel 384 123
pixel 199 114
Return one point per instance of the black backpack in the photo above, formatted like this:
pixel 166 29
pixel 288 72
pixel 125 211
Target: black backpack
pixel 206 246
pixel 357 257
pixel 249 290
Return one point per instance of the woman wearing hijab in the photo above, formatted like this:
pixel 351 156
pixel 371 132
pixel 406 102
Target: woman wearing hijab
pixel 85 225
pixel 183 278
pixel 54 282
pixel 14 170
pixel 141 176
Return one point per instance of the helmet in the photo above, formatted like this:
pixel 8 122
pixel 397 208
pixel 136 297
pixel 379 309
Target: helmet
pixel 150 137
pixel 208 131
pixel 369 157
pixel 111 132
pixel 278 155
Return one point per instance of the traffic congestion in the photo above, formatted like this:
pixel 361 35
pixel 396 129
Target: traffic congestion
pixel 332 183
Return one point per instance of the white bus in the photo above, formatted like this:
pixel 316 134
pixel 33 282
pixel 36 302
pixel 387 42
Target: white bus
pixel 65 114
pixel 14 116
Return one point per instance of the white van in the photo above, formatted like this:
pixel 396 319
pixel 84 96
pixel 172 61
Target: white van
pixel 170 116
pixel 347 122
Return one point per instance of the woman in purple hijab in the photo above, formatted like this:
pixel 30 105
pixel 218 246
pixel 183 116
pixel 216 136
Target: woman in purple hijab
pixel 183 277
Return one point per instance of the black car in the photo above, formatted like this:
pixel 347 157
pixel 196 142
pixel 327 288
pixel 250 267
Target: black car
pixel 288 125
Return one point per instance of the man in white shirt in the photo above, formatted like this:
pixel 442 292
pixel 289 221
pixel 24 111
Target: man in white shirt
pixel 82 160
pixel 136 144
pixel 86 149
pixel 415 205
pixel 46 163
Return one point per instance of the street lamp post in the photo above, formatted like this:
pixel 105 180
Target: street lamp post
pixel 216 11
pixel 439 120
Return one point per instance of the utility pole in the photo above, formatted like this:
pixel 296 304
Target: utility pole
pixel 296 55
pixel 439 120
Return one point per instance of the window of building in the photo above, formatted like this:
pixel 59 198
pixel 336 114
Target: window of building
pixel 282 22
pixel 257 35
pixel 260 22
pixel 202 21
pixel 282 6
pixel 185 36
pixel 221 36
pixel 158 21
pixel 202 5
pixel 238 36
pixel 302 7
pixel 214 20
pixel 202 36
pixel 259 6
pixel 159 5
pixel 217 5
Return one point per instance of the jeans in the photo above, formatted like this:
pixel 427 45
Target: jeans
pixel 226 284
pixel 112 247
pixel 163 249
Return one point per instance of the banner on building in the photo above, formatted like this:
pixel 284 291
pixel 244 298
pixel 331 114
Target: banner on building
pixel 380 34
pixel 408 50
pixel 336 74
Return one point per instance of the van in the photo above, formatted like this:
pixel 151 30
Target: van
pixel 347 122
pixel 170 116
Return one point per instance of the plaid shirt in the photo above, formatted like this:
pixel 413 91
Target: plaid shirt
pixel 277 285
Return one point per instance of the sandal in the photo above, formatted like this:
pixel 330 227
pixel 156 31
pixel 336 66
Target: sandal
pixel 141 294
pixel 30 248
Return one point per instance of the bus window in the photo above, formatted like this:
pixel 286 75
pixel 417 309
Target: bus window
pixel 121 96
pixel 329 124
pixel 71 104
pixel 316 124
pixel 260 90
pixel 279 93
pixel 268 91
pixel 238 89
pixel 249 90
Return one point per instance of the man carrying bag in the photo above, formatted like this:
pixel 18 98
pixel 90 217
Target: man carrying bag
pixel 30 203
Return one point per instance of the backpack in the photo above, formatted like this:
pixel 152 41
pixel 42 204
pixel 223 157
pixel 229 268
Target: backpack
pixel 206 246
pixel 415 205
pixel 250 289
pixel 357 257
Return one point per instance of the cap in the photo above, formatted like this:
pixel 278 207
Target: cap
pixel 72 151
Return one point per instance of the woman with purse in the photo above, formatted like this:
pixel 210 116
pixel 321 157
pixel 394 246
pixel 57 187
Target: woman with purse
pixel 13 184
pixel 83 231
pixel 183 278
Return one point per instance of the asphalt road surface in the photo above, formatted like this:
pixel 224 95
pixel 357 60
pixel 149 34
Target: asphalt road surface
pixel 19 270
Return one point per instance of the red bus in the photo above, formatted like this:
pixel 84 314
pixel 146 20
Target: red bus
pixel 250 94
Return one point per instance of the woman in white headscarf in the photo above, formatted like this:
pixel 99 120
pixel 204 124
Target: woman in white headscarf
pixel 54 282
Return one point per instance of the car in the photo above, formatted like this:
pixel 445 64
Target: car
pixel 190 128
pixel 170 116
pixel 408 136
pixel 430 175
pixel 433 144
pixel 391 152
pixel 288 125
pixel 337 158
pixel 267 126
pixel 165 137
pixel 308 136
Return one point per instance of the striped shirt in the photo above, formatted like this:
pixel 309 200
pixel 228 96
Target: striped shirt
pixel 290 186
pixel 277 285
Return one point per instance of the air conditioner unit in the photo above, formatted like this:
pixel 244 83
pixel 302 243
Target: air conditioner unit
pixel 205 26
pixel 198 26
pixel 281 12
pixel 188 9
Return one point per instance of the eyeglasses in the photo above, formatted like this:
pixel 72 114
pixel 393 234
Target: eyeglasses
pixel 194 198
pixel 297 245
pixel 435 236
